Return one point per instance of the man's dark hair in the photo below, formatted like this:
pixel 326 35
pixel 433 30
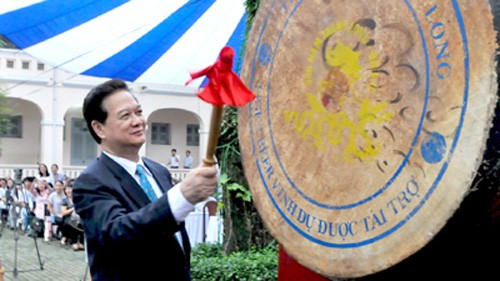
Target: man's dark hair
pixel 30 179
pixel 92 105
pixel 70 182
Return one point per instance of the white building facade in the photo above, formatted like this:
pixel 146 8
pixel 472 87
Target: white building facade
pixel 46 123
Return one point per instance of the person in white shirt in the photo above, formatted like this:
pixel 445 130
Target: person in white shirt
pixel 43 172
pixel 23 204
pixel 174 159
pixel 4 211
pixel 56 175
pixel 188 161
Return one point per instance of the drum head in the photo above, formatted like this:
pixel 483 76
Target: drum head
pixel 370 122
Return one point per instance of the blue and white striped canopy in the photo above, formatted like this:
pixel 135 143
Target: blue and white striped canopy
pixel 144 41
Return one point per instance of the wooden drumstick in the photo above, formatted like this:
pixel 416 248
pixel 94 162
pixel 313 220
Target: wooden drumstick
pixel 213 136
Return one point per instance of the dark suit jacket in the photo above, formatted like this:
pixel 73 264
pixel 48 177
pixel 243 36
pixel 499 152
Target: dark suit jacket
pixel 128 237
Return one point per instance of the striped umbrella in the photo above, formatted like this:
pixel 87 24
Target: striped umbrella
pixel 146 41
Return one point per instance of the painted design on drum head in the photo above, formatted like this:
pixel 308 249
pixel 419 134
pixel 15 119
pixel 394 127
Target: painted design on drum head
pixel 367 104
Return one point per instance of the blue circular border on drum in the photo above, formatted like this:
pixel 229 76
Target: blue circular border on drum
pixel 445 164
pixel 403 163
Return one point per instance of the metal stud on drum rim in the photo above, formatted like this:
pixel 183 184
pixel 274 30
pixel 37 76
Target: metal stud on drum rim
pixel 370 122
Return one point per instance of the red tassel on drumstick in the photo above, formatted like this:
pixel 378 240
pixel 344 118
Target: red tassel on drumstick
pixel 224 88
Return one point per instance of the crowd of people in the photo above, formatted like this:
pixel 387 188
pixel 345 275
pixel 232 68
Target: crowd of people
pixel 42 206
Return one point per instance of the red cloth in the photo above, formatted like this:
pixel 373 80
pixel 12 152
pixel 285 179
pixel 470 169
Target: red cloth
pixel 224 86
pixel 291 270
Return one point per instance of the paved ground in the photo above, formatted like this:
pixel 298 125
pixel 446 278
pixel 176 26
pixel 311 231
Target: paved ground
pixel 58 262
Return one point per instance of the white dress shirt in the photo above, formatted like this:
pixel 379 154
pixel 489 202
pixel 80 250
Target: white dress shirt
pixel 179 206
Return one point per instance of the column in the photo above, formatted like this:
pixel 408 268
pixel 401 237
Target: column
pixel 52 142
pixel 203 131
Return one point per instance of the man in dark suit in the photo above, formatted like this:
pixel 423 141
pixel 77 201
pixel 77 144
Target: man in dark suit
pixel 132 224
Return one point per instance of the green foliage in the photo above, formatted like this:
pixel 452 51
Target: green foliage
pixel 251 7
pixel 239 190
pixel 6 43
pixel 206 250
pixel 4 111
pixel 229 146
pixel 243 227
pixel 208 263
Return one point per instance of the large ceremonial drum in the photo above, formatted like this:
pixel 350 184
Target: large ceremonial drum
pixel 369 125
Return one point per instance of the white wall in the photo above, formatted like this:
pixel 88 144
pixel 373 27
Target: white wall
pixel 27 149
pixel 178 120
pixel 48 100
